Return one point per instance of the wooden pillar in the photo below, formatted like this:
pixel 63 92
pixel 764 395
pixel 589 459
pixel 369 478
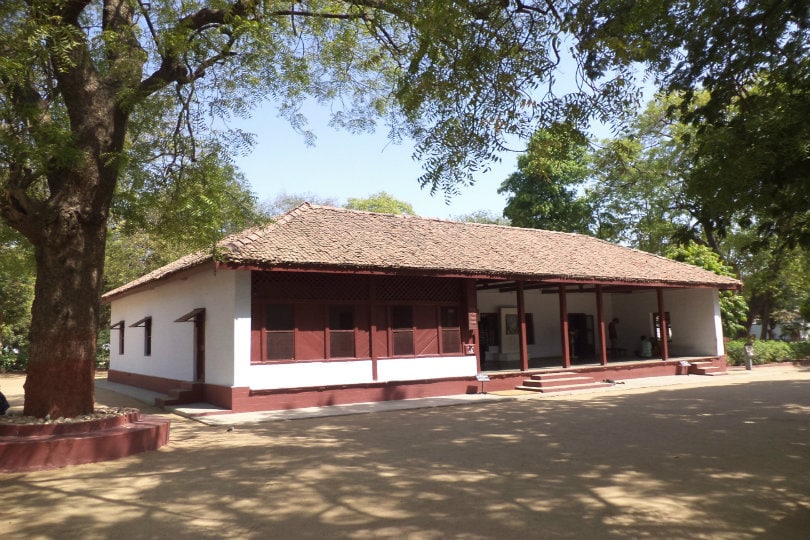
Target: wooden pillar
pixel 472 319
pixel 566 343
pixel 600 324
pixel 522 345
pixel 662 320
pixel 372 324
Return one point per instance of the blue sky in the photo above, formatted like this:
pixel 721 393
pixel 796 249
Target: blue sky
pixel 343 165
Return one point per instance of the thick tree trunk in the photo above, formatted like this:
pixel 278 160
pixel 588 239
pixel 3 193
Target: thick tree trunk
pixel 65 315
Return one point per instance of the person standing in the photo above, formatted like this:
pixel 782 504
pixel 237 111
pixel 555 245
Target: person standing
pixel 748 353
pixel 613 333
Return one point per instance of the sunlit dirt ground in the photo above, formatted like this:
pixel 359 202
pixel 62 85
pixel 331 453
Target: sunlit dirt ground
pixel 718 458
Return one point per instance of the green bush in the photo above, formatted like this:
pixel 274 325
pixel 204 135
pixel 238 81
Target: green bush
pixel 13 362
pixel 766 352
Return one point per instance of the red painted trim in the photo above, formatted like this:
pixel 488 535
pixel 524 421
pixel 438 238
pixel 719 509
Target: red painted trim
pixel 372 326
pixel 523 342
pixel 566 345
pixel 242 399
pixel 49 446
pixel 326 269
pixel 150 382
pixel 472 311
pixel 600 322
pixel 662 312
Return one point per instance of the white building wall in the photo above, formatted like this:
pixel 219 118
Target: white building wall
pixel 242 369
pixel 173 343
pixel 405 369
pixel 696 325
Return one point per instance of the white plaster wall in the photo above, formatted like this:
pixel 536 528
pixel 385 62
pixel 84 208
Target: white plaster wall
pixel 304 374
pixel 634 313
pixel 308 374
pixel 405 369
pixel 172 343
pixel 696 324
pixel 242 369
pixel 545 310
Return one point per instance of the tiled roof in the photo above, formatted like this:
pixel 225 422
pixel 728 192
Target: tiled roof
pixel 325 238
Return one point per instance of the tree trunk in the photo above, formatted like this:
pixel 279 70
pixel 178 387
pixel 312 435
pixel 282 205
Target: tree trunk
pixel 65 315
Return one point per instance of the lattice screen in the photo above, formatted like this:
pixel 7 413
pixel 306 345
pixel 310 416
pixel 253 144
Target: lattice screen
pixel 346 287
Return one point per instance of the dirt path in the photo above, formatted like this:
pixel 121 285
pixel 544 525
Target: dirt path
pixel 723 458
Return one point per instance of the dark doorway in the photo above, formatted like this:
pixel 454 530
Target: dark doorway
pixel 197 316
pixel 490 337
pixel 581 335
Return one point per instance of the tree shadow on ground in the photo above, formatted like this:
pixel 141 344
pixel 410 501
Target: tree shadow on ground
pixel 711 462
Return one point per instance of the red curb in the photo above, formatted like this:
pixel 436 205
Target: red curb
pixel 80 442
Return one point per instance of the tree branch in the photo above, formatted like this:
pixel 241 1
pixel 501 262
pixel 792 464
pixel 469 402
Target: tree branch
pixel 172 70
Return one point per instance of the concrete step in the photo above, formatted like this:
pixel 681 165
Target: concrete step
pixel 542 381
pixel 705 368
pixel 564 388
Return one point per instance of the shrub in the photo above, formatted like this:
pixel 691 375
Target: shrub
pixel 766 352
pixel 10 361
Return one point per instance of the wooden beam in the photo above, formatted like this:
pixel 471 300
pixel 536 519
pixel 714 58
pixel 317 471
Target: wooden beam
pixel 522 345
pixel 566 344
pixel 600 325
pixel 372 325
pixel 662 319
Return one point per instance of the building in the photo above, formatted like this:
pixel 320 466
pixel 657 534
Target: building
pixel 327 306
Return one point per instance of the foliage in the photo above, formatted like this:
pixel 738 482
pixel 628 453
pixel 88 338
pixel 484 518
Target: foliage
pixel 767 351
pixel 16 295
pixel 381 202
pixel 640 193
pixel 733 308
pixel 777 278
pixel 482 216
pixel 284 202
pixel 741 71
pixel 543 194
pixel 211 200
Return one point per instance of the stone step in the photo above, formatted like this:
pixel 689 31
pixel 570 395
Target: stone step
pixel 705 368
pixel 541 381
pixel 564 388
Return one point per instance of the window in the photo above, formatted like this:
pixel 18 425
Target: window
pixel 341 332
pixel 402 330
pixel 146 324
pixel 279 332
pixel 656 323
pixel 120 327
pixel 450 330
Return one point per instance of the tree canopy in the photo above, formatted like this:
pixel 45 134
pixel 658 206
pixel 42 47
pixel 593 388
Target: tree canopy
pixel 545 191
pixel 380 202
pixel 105 101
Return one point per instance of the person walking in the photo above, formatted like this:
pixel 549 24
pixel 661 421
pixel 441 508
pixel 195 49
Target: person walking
pixel 748 353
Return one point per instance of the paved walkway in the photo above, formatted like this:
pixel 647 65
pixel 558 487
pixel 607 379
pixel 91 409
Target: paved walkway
pixel 214 416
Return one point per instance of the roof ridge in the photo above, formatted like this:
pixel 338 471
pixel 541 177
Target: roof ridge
pixel 442 220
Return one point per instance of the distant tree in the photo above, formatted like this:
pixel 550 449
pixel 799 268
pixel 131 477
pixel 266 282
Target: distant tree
pixel 733 308
pixel 741 73
pixel 284 202
pixel 545 192
pixel 640 192
pixel 381 202
pixel 482 216
pixel 16 294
